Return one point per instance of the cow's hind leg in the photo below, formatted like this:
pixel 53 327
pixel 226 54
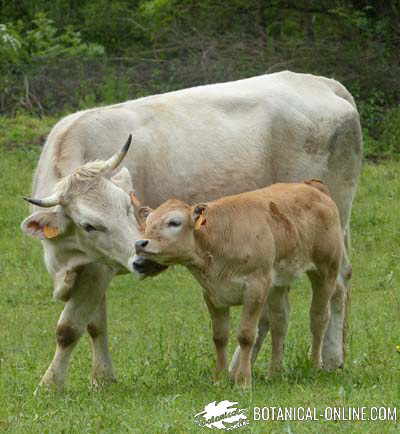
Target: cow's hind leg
pixel 333 350
pixel 86 297
pixel 102 369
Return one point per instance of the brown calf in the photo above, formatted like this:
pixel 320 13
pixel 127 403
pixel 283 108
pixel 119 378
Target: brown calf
pixel 246 250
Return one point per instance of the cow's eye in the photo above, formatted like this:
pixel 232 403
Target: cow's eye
pixel 88 227
pixel 174 223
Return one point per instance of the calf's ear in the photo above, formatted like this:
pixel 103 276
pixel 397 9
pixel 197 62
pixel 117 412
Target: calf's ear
pixel 140 212
pixel 198 216
pixel 45 224
pixel 123 180
pixel 143 213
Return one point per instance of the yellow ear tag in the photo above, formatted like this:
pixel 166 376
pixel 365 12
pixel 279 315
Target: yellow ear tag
pixel 201 221
pixel 50 232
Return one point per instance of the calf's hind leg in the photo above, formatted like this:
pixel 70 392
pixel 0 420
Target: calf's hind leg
pixel 86 297
pixel 323 287
pixel 278 313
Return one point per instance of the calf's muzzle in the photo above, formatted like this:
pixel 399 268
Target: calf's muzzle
pixel 140 245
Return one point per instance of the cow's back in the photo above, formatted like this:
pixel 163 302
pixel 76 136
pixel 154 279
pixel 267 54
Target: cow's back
pixel 209 141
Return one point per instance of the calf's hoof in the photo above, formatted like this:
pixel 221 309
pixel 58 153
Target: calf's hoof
pixel 219 377
pixel 243 381
pixel 275 372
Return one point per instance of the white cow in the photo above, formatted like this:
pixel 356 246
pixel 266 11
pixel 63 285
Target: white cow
pixel 196 144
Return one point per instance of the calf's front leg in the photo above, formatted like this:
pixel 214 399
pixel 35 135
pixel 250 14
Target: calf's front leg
pixel 253 304
pixel 86 298
pixel 220 326
pixel 263 328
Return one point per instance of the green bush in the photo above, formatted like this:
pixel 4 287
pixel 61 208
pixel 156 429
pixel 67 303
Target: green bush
pixel 10 43
pixel 387 143
pixel 20 44
pixel 391 132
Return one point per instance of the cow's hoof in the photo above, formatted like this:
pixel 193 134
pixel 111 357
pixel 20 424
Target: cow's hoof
pixel 101 381
pixel 332 365
pixel 234 365
pixel 48 387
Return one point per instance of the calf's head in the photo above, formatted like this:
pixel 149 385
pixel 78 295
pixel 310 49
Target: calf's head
pixel 169 232
pixel 88 218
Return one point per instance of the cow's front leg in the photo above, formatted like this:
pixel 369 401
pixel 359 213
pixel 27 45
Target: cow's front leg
pixel 220 326
pixel 102 369
pixel 86 297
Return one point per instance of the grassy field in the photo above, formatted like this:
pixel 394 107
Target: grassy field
pixel 161 340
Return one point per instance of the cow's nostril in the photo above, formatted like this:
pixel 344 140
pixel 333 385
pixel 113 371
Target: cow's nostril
pixel 139 264
pixel 141 244
pixel 146 267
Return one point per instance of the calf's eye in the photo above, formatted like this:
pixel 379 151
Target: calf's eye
pixel 174 223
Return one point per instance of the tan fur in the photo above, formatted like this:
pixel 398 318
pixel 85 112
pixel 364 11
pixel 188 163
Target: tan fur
pixel 319 185
pixel 250 248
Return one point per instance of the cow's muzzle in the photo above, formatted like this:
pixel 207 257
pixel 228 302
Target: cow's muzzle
pixel 146 267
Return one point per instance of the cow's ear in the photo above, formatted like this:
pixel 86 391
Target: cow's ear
pixel 123 180
pixel 45 224
pixel 198 215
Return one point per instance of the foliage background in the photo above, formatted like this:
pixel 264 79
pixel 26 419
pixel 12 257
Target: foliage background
pixel 60 56
pixel 64 55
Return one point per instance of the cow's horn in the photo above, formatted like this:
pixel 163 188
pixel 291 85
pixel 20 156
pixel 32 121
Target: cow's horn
pixel 116 159
pixel 47 202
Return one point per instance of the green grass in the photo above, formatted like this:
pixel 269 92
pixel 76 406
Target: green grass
pixel 160 335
